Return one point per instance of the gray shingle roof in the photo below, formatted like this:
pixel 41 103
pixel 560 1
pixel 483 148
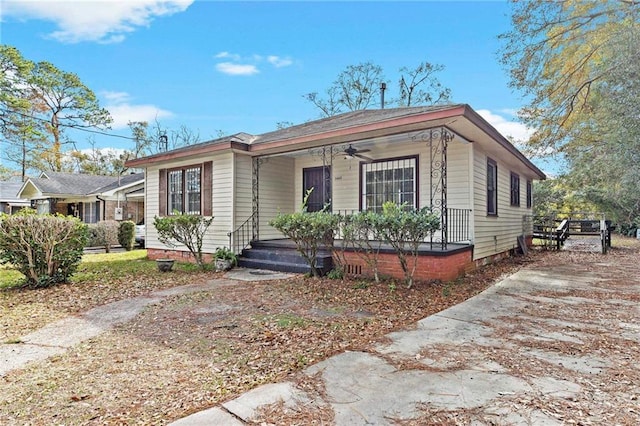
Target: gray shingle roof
pixel 72 183
pixel 9 191
pixel 124 180
pixel 347 120
pixel 336 122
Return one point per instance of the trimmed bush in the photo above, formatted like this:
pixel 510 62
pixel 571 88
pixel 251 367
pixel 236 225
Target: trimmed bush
pixel 185 229
pixel 47 249
pixel 309 232
pixel 362 231
pixel 405 230
pixel 103 234
pixel 127 234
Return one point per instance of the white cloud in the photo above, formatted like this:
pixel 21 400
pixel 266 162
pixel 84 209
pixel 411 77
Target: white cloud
pixel 123 111
pixel 116 97
pixel 236 69
pixel 93 20
pixel 238 65
pixel 227 55
pixel 279 62
pixel 508 128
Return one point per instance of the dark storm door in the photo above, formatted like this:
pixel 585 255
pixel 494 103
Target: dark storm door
pixel 318 178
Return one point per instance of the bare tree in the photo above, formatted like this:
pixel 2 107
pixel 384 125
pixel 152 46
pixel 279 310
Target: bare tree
pixel 353 89
pixel 358 86
pixel 420 86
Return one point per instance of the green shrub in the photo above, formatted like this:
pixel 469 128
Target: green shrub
pixel 47 249
pixel 103 234
pixel 224 253
pixel 127 234
pixel 309 231
pixel 93 237
pixel 185 229
pixel 362 231
pixel 405 230
pixel 335 274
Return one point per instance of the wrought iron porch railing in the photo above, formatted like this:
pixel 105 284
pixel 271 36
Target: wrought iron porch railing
pixel 458 221
pixel 457 227
pixel 243 235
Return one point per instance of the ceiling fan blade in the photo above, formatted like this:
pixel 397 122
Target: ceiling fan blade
pixel 363 150
pixel 363 157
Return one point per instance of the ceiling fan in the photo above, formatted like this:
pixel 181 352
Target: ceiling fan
pixel 350 152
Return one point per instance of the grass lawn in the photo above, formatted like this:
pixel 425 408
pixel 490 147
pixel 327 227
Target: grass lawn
pixel 100 279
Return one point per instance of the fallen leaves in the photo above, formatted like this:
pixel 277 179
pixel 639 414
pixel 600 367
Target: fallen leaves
pixel 193 351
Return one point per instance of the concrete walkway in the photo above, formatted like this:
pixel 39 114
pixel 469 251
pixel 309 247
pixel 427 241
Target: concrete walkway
pixel 536 349
pixel 526 351
pixel 57 337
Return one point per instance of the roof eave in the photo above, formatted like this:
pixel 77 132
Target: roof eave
pixel 487 128
pixel 176 155
pixel 116 189
pixel 379 128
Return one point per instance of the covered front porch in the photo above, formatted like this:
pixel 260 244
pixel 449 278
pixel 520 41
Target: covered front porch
pixel 426 168
pixel 434 262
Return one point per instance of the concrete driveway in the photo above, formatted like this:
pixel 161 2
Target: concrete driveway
pixel 545 346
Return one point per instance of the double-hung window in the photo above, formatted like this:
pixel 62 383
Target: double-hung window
pixel 492 187
pixel 186 190
pixel 515 190
pixel 175 192
pixel 393 180
pixel 529 194
pixel 90 212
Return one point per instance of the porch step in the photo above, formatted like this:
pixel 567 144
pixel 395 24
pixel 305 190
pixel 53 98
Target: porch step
pixel 281 256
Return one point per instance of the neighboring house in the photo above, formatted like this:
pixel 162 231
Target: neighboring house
pixel 9 201
pixel 89 197
pixel 446 157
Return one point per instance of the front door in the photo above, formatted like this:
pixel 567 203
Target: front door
pixel 318 178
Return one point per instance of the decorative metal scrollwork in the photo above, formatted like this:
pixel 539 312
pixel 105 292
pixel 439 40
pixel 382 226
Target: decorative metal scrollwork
pixel 437 140
pixel 327 153
pixel 255 194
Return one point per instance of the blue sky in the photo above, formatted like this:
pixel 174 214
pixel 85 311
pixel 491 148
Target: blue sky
pixel 244 66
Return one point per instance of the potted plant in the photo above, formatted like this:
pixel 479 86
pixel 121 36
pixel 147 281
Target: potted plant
pixel 164 265
pixel 224 259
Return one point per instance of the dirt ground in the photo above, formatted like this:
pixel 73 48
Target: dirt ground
pixel 191 352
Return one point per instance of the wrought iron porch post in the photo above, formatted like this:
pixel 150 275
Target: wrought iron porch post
pixel 438 141
pixel 255 196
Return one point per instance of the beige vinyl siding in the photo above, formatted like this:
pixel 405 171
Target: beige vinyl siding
pixel 458 166
pixel 345 174
pixel 222 201
pixel 276 186
pixel 243 189
pixel 496 234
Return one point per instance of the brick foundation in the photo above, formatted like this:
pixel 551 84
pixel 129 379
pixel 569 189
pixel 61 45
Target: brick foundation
pixel 444 267
pixel 178 256
pixel 492 259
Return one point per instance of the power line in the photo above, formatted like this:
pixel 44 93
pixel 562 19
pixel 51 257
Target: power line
pixel 83 129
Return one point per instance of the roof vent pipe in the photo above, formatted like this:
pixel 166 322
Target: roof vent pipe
pixel 383 87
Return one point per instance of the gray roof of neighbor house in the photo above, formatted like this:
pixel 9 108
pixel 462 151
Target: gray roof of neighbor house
pixel 9 192
pixel 125 180
pixel 77 184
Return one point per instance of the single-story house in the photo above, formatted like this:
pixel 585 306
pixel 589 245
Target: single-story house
pixel 9 201
pixel 92 198
pixel 446 157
